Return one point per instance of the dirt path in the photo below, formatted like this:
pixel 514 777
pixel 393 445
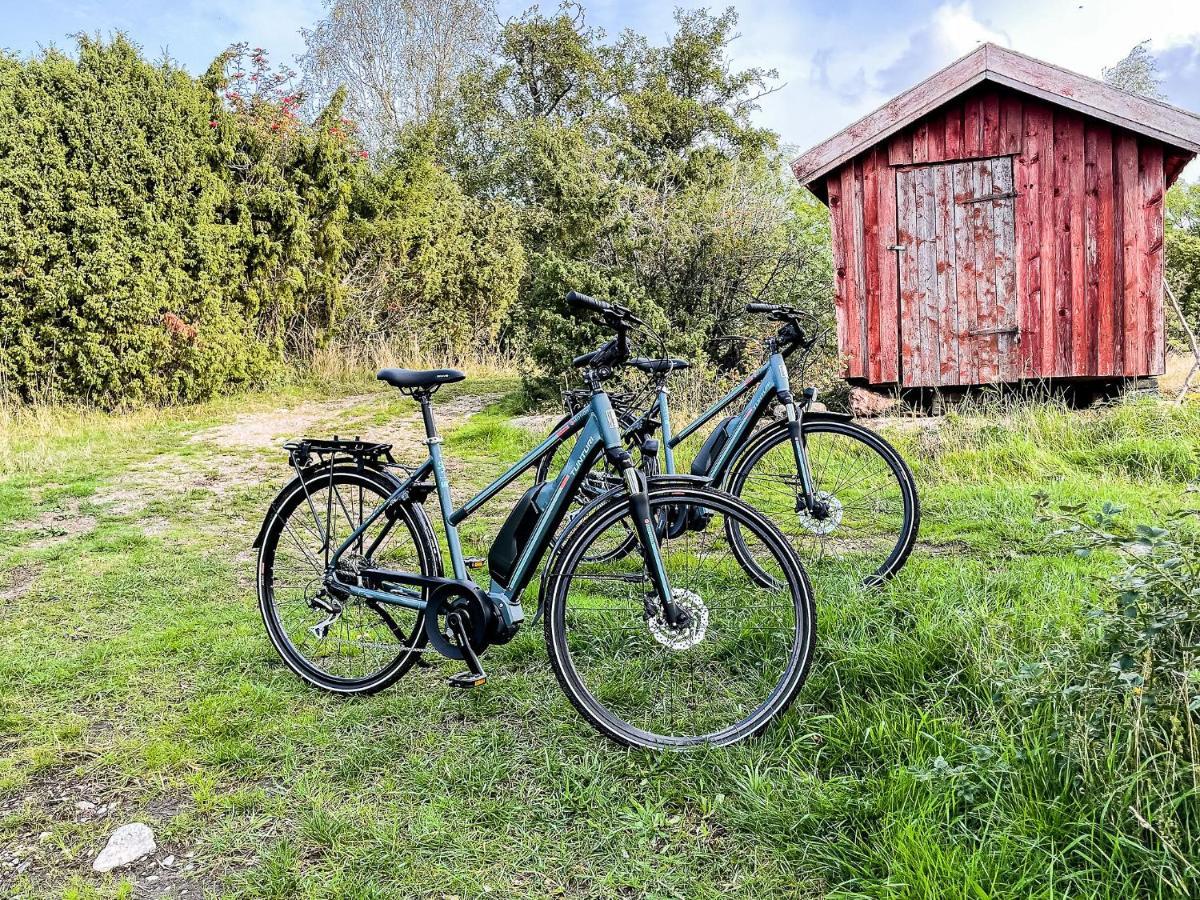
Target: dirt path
pixel 192 480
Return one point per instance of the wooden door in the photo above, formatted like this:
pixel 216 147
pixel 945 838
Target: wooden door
pixel 956 230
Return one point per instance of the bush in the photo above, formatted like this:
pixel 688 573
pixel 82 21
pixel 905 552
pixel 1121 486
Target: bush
pixel 156 243
pixel 429 261
pixel 1130 713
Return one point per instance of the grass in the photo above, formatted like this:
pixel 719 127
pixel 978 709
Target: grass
pixel 134 671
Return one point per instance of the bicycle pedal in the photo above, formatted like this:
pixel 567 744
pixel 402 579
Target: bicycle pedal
pixel 467 679
pixel 474 562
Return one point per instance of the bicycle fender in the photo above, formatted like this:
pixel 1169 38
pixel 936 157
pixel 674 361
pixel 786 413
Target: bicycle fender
pixel 826 415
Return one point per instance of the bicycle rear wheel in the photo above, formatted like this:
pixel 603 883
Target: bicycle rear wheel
pixel 721 678
pixel 345 645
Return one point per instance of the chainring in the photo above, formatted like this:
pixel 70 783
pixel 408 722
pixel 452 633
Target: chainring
pixel 480 621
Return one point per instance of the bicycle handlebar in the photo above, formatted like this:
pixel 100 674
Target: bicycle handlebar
pixel 791 335
pixel 583 301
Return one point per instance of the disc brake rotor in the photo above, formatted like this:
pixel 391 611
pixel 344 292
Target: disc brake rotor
pixel 689 635
pixel 822 525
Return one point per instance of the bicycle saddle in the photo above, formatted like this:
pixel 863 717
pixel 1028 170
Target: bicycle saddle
pixel 419 378
pixel 660 366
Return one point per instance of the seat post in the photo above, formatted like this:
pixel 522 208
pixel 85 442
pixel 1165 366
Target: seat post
pixel 431 432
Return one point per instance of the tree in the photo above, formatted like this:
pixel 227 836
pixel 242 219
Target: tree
pixel 1136 73
pixel 638 174
pixel 398 60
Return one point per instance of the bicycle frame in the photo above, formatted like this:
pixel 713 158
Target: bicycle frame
pixel 596 425
pixel 772 381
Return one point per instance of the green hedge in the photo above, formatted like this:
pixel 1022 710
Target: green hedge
pixel 156 245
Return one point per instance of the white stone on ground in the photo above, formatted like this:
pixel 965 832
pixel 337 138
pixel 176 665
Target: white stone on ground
pixel 128 843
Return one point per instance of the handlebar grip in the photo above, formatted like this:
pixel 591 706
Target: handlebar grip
pixel 761 307
pixel 574 298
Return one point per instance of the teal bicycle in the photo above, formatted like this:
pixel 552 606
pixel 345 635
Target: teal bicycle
pixel 842 495
pixel 682 640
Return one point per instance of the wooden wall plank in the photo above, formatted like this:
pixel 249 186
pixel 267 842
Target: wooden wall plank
pixel 1004 250
pixel 947 305
pixel 860 270
pixel 920 143
pixel 1062 244
pixel 1092 150
pixel 1132 362
pixel 1150 307
pixel 1080 316
pixel 965 277
pixel 833 188
pixel 1029 247
pixel 928 352
pixel 900 149
pixel 954 131
pixel 973 126
pixel 906 231
pixel 936 146
pixel 1043 118
pixel 852 235
pixel 1011 123
pixel 991 124
pixel 889 277
pixel 1106 238
pixel 871 256
pixel 984 339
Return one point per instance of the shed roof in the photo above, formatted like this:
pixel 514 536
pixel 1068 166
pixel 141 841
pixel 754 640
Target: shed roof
pixel 992 63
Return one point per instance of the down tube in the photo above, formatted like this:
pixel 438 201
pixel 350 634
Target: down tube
pixel 582 457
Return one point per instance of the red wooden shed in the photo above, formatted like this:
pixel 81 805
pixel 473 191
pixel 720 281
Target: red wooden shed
pixel 1001 221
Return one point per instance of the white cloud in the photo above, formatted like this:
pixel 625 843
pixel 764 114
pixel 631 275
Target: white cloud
pixel 841 61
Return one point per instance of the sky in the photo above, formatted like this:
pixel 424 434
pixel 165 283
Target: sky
pixel 836 59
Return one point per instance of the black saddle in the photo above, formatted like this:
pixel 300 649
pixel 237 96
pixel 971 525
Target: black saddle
pixel 660 366
pixel 419 378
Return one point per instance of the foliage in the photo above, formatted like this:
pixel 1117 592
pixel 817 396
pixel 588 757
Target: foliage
pixel 159 242
pixel 1136 73
pixel 1182 239
pixel 429 261
pixel 1137 694
pixel 639 177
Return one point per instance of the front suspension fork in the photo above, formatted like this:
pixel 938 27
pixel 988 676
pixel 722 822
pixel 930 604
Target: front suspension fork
pixel 795 417
pixel 639 510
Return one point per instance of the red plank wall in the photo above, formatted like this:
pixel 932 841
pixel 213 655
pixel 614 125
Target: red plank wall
pixel 1089 235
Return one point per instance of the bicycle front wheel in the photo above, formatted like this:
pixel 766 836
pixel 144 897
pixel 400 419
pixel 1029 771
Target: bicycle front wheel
pixel 869 513
pixel 725 674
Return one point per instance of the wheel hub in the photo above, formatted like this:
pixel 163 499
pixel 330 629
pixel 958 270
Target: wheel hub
pixel 693 629
pixel 825 517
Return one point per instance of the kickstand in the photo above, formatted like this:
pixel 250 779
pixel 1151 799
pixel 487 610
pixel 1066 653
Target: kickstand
pixel 474 676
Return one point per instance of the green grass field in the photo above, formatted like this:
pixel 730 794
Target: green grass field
pixel 135 676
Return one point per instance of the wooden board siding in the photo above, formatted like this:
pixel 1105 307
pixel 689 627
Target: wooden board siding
pixel 1084 236
pixel 862 206
pixel 958 285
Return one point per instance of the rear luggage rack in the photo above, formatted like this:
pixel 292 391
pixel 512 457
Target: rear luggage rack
pixel 320 451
